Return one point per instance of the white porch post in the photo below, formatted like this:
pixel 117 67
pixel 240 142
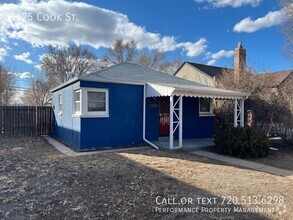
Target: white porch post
pixel 180 120
pixel 171 122
pixel 239 113
pixel 235 112
pixel 242 113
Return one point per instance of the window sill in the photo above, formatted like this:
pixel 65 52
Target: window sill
pixel 95 116
pixel 90 116
pixel 206 115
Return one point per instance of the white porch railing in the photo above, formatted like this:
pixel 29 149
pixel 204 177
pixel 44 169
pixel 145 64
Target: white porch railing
pixel 238 113
pixel 176 109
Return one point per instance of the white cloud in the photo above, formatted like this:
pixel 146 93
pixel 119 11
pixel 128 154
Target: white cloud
pixel 24 75
pixel 194 49
pixel 3 39
pixel 24 57
pixel 270 19
pixel 3 53
pixel 7 47
pixel 211 62
pixel 17 98
pixel 93 26
pixel 28 1
pixel 214 57
pixel 222 53
pixel 230 3
pixel 38 67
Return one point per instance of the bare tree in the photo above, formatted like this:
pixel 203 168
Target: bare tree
pixel 157 60
pixel 287 29
pixel 62 64
pixel 39 93
pixel 128 52
pixel 270 103
pixel 258 85
pixel 122 52
pixel 6 86
pixel 286 89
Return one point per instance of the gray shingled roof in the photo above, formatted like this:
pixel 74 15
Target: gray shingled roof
pixel 134 73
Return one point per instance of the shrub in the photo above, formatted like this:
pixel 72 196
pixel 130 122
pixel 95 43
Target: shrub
pixel 242 142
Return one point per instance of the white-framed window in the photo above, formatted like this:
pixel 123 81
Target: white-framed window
pixel 77 102
pixel 91 102
pixel 97 102
pixel 205 106
pixel 59 104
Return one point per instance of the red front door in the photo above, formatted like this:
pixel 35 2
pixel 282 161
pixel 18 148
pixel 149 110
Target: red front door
pixel 164 116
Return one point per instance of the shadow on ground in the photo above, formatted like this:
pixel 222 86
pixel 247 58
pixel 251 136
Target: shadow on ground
pixel 38 182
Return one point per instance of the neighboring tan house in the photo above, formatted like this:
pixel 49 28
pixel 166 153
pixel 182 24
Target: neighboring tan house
pixel 206 74
pixel 282 79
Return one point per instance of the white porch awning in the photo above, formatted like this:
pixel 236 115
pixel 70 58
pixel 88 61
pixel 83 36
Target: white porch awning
pixel 176 106
pixel 157 90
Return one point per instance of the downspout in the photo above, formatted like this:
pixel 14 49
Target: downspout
pixel 144 119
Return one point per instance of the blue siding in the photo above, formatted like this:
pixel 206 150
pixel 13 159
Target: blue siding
pixel 195 126
pixel 124 126
pixel 152 119
pixel 66 127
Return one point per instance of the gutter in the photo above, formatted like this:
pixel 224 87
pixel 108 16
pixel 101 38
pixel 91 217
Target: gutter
pixel 71 81
pixel 144 119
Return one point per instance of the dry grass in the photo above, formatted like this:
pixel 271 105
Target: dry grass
pixel 38 182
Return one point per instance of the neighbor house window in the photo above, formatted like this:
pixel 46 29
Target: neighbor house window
pixel 60 104
pixel 77 102
pixel 97 102
pixel 205 106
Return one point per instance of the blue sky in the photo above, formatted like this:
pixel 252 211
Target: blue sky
pixel 203 31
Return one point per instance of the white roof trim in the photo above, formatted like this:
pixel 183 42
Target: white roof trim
pixel 156 90
pixel 73 80
pixel 93 79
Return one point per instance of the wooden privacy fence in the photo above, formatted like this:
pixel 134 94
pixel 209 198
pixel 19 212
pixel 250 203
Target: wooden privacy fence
pixel 28 120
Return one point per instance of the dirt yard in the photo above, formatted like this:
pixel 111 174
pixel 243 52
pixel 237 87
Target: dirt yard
pixel 37 182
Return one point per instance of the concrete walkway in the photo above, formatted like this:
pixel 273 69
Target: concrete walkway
pixel 68 152
pixel 245 163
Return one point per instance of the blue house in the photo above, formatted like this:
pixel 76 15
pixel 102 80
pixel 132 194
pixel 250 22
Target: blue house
pixel 130 105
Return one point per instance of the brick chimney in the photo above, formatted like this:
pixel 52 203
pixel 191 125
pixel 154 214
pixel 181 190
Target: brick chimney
pixel 239 60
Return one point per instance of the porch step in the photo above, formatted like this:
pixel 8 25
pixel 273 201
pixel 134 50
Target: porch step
pixel 188 144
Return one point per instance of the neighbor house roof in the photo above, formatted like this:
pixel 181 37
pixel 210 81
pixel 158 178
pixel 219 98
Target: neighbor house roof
pixel 215 71
pixel 159 83
pixel 280 76
pixel 212 71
